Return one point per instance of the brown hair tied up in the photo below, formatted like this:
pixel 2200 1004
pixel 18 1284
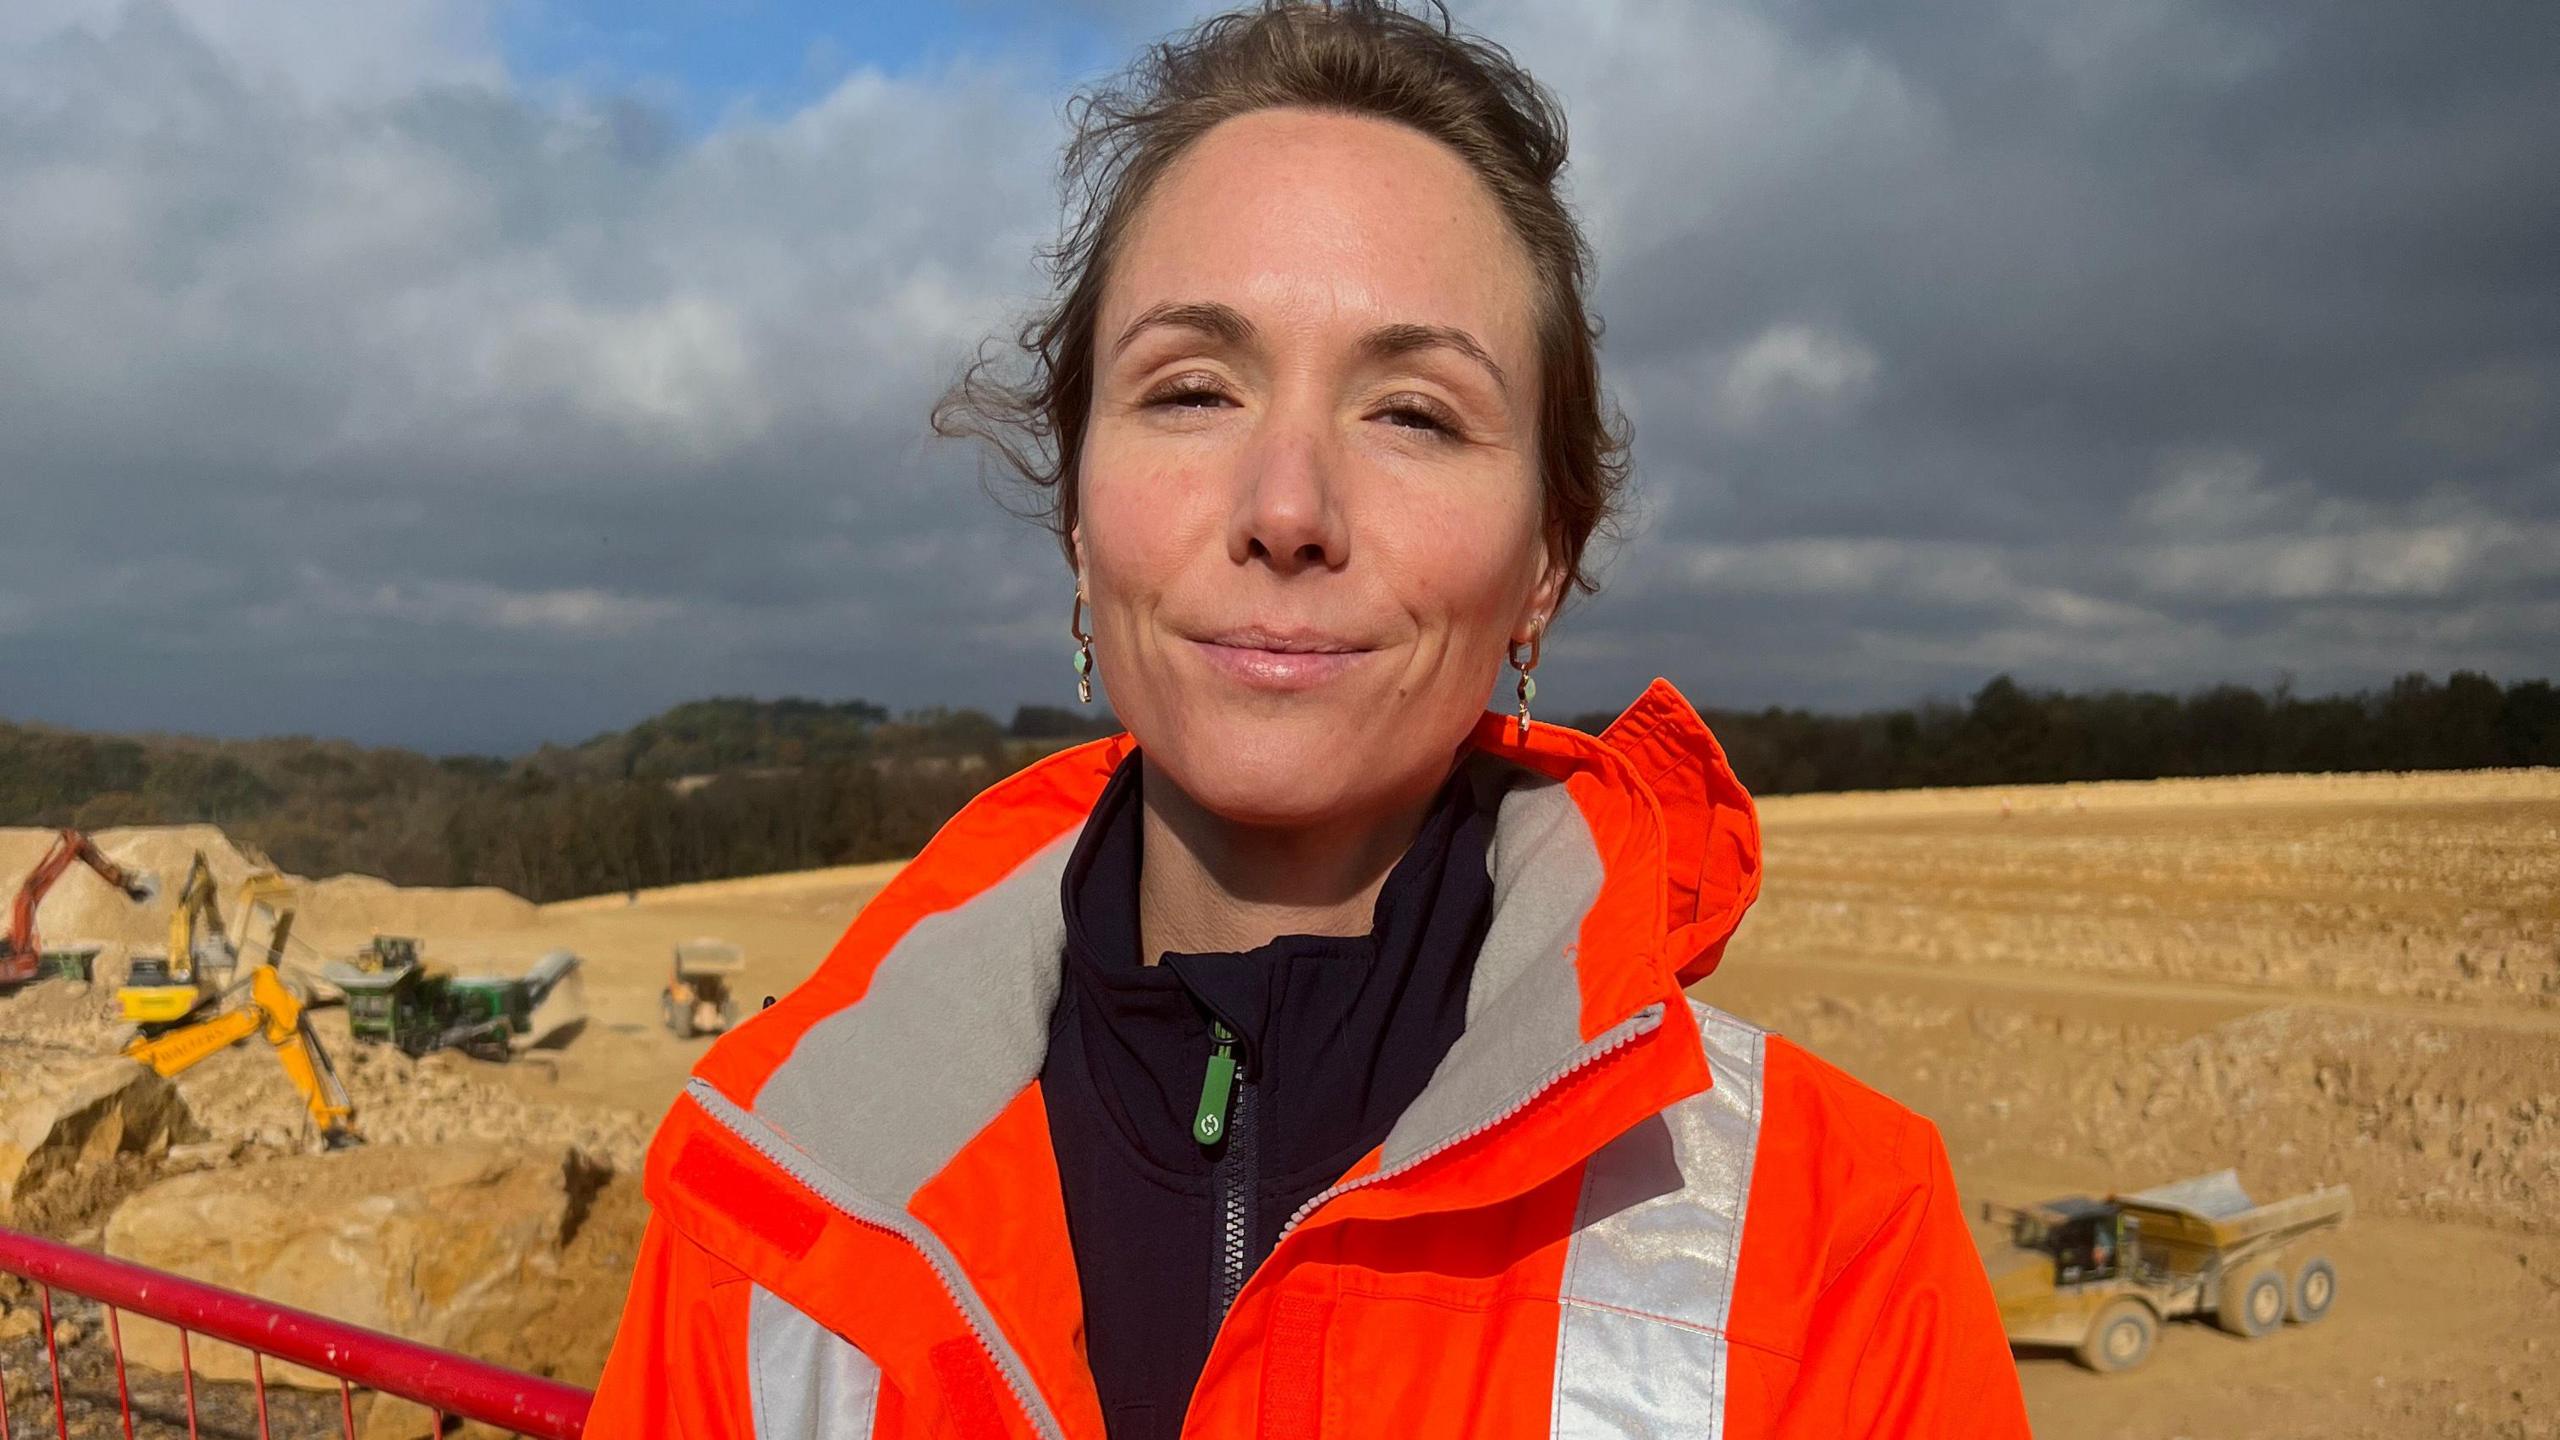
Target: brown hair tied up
pixel 1362 57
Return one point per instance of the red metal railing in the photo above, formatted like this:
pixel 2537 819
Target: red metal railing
pixel 448 1385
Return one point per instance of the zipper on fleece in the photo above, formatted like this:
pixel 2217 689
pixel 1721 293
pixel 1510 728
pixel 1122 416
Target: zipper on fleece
pixel 1217 1084
pixel 1236 1181
pixel 814 1178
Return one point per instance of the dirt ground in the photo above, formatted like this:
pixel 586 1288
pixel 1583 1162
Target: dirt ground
pixel 2314 979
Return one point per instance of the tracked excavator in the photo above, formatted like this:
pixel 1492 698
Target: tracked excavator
pixel 203 956
pixel 268 1009
pixel 25 959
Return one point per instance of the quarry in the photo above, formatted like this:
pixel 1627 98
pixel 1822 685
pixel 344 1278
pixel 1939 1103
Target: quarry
pixel 2315 981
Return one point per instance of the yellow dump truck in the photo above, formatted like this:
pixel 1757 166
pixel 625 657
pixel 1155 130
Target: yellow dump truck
pixel 698 999
pixel 2101 1276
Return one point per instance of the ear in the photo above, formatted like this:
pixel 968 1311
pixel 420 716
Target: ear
pixel 1546 592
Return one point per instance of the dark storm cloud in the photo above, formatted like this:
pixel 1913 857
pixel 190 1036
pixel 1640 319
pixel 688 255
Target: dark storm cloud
pixel 348 385
pixel 2150 344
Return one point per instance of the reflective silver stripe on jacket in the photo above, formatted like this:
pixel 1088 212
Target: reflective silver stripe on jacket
pixel 1648 1276
pixel 807 1383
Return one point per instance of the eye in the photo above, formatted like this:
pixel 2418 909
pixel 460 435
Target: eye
pixel 1187 392
pixel 1418 412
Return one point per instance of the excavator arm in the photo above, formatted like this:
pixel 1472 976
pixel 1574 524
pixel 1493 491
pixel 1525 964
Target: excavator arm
pixel 183 1047
pixel 263 890
pixel 204 954
pixel 298 1049
pixel 276 1012
pixel 195 908
pixel 196 929
pixel 23 958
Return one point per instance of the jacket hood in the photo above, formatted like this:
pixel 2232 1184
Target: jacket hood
pixel 1711 830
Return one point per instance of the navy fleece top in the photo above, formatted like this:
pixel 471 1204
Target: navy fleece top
pixel 1334 1036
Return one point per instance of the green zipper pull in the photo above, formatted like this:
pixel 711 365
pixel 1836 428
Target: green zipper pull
pixel 1216 1086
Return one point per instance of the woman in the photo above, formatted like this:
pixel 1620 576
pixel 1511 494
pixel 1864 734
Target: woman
pixel 1313 1059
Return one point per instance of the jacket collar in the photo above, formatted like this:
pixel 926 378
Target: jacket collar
pixel 1621 865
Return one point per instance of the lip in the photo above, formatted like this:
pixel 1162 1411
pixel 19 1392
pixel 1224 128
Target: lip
pixel 1280 659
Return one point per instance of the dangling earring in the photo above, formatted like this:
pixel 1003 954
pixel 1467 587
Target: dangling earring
pixel 1084 650
pixel 1528 687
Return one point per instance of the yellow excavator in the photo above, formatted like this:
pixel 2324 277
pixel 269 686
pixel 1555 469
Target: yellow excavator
pixel 162 990
pixel 271 1009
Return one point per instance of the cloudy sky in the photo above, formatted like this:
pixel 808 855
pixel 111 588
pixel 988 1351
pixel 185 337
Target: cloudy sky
pixel 470 373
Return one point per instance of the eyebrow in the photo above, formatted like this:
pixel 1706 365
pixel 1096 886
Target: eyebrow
pixel 1228 325
pixel 1222 322
pixel 1388 341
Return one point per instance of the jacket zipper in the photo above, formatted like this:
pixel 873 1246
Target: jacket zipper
pixel 1237 1178
pixel 765 1141
pixel 1626 1032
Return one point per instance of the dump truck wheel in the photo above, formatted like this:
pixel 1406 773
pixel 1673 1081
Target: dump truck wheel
pixel 2120 1338
pixel 2253 1305
pixel 2315 1288
pixel 679 1018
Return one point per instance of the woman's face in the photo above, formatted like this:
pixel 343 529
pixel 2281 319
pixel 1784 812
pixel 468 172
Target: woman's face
pixel 1310 518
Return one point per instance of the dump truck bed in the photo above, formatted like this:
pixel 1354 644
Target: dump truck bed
pixel 2212 1213
pixel 709 957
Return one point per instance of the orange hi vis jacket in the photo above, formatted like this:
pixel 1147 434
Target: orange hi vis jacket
pixel 1613 1211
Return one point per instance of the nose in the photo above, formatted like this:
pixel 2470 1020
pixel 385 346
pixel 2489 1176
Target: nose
pixel 1288 511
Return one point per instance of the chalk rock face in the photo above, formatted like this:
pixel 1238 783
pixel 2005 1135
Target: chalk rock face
pixel 446 1245
pixel 69 1118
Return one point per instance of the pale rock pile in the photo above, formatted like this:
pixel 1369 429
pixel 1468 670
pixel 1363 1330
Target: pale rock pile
pixel 244 1104
pixel 75 1126
pixel 443 1244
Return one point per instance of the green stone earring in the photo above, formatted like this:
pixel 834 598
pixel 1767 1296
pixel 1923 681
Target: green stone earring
pixel 1084 651
pixel 1528 689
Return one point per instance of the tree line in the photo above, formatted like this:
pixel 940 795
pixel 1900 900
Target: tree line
pixel 726 787
pixel 706 791
pixel 2011 734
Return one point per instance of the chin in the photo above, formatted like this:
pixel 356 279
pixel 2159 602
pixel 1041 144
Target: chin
pixel 1293 770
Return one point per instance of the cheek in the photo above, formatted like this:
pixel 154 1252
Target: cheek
pixel 1143 524
pixel 1460 559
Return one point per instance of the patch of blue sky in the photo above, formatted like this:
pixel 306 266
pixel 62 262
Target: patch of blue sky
pixel 702 61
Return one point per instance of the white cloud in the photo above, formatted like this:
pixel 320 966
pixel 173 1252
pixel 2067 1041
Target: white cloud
pixel 2213 491
pixel 325 596
pixel 1944 575
pixel 1793 365
pixel 2415 561
pixel 681 369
